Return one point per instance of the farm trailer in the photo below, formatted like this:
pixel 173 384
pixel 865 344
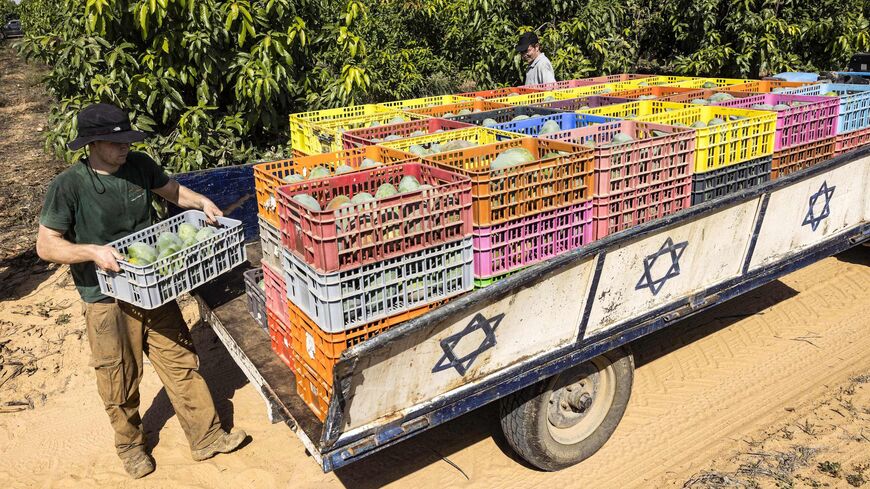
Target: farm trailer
pixel 551 343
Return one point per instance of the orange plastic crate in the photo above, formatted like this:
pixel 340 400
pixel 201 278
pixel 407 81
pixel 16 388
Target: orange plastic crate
pixel 766 86
pixel 548 182
pixel 312 388
pixel 268 176
pixel 802 156
pixel 654 92
pixel 450 110
pixel 500 92
pixel 320 350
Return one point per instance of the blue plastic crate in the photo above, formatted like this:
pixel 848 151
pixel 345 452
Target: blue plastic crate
pixel 854 103
pixel 567 121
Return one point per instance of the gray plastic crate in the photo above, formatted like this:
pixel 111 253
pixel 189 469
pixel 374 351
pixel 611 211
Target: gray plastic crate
pixel 339 301
pixel 151 286
pixel 256 297
pixel 270 243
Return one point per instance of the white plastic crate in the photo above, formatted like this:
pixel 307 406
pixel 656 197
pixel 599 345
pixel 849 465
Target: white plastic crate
pixel 270 243
pixel 146 287
pixel 342 300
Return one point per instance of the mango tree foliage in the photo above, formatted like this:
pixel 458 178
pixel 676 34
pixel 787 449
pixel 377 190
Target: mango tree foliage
pixel 214 80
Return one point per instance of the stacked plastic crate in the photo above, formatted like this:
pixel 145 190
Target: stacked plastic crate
pixel 365 250
pixel 853 118
pixel 733 147
pixel 268 177
pixel 805 128
pixel 528 210
pixel 643 171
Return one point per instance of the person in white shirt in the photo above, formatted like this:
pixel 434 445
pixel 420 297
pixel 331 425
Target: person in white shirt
pixel 540 70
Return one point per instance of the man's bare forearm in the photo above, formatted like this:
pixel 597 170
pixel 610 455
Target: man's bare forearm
pixel 58 250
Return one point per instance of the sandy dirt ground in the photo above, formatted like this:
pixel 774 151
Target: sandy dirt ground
pixel 769 390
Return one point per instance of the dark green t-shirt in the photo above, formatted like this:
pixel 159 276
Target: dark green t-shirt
pixel 91 208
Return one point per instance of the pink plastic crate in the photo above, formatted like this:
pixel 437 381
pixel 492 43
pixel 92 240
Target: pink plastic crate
pixel 358 234
pixel 814 121
pixel 528 240
pixel 276 292
pixel 650 159
pixel 638 181
pixel 368 136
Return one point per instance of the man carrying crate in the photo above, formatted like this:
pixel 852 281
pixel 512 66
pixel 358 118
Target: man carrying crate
pixel 540 70
pixel 106 196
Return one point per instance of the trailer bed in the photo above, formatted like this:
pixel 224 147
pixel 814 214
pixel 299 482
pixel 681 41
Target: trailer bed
pixel 552 316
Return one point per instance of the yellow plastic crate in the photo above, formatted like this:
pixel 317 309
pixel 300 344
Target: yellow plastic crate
pixel 564 94
pixel 749 136
pixel 418 103
pixel 660 80
pixel 454 109
pixel 319 131
pixel 699 82
pixel 477 135
pixel 529 98
pixel 633 110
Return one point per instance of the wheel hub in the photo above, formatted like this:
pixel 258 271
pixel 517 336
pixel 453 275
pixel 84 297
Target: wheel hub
pixel 579 399
pixel 570 404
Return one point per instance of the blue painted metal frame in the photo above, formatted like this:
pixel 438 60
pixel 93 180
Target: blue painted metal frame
pixel 497 387
pixel 512 379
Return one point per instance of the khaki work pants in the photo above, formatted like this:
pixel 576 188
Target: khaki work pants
pixel 118 334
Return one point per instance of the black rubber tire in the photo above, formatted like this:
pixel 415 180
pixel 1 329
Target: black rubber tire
pixel 524 419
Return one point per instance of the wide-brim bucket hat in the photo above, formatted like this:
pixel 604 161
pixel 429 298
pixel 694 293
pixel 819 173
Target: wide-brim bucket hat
pixel 104 122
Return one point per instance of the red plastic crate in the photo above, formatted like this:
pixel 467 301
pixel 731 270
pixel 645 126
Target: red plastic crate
pixel 638 181
pixel 500 92
pixel 281 339
pixel 522 190
pixel 348 237
pixel 512 245
pixel 450 110
pixel 797 158
pixel 372 135
pixel 320 350
pixel 851 140
pixel 276 291
pixel 796 126
pixel 269 176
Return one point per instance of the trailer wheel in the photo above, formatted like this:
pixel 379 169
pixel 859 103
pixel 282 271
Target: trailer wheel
pixel 563 420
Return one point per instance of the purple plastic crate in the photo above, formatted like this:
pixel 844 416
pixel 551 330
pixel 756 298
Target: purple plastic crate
pixel 795 126
pixel 522 242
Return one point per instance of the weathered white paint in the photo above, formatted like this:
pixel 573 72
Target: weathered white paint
pixel 783 232
pixel 714 251
pixel 866 163
pixel 536 320
pixel 396 379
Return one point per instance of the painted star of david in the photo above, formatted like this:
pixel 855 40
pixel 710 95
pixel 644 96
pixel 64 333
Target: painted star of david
pixel 668 248
pixel 811 218
pixel 462 364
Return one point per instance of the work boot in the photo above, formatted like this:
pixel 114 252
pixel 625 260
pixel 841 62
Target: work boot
pixel 138 465
pixel 225 443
